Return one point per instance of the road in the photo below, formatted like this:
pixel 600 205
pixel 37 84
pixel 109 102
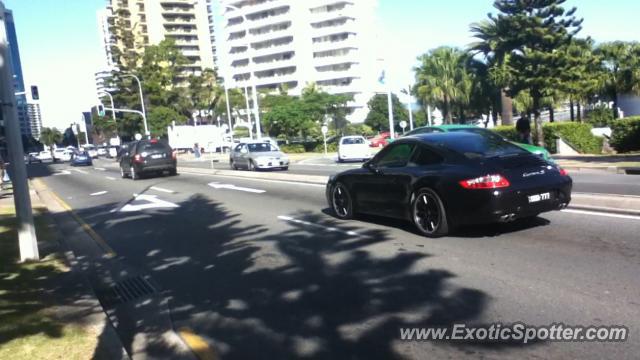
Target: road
pixel 596 182
pixel 261 270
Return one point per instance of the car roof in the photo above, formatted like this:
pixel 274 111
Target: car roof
pixel 436 138
pixel 352 137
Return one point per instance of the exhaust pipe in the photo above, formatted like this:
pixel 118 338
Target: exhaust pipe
pixel 507 218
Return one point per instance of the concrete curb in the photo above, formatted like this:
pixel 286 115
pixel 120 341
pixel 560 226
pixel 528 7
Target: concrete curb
pixel 618 204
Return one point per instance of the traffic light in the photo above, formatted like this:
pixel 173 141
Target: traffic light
pixel 100 110
pixel 34 93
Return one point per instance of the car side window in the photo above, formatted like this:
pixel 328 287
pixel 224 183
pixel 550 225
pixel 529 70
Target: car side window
pixel 424 156
pixel 397 155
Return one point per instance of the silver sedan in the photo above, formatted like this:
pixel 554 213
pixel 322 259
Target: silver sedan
pixel 258 156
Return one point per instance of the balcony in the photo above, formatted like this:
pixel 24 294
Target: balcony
pixel 350 42
pixel 351 57
pixel 276 64
pixel 348 11
pixel 252 9
pixel 178 11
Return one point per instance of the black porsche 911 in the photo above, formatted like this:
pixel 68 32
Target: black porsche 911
pixel 442 180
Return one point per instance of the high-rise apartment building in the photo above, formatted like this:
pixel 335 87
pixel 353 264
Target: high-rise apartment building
pixel 292 43
pixel 35 119
pixel 148 22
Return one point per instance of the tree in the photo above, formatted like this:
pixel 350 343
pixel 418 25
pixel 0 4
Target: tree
pixel 584 76
pixel 490 32
pixel 442 77
pixel 378 116
pixel 537 29
pixel 621 63
pixel 50 137
pixel 160 117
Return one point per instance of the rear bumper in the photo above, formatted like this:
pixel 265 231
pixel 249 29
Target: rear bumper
pixel 272 165
pixel 156 167
pixel 504 206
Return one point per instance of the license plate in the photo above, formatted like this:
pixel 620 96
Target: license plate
pixel 157 156
pixel 539 197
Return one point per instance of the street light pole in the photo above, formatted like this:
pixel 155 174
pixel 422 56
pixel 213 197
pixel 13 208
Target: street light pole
pixel 252 78
pixel 113 112
pixel 144 112
pixel 409 102
pixel 226 95
pixel 27 239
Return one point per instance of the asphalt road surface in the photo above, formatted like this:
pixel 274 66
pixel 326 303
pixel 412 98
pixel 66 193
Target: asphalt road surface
pixel 261 270
pixel 597 182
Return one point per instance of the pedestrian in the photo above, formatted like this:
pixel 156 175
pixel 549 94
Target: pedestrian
pixel 523 127
pixel 196 151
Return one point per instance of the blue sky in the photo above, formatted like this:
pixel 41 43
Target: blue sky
pixel 59 41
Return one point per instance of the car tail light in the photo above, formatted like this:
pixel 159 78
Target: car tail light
pixel 174 154
pixel 137 158
pixel 486 182
pixel 563 172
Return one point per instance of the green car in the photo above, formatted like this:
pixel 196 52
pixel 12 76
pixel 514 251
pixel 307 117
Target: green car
pixel 482 131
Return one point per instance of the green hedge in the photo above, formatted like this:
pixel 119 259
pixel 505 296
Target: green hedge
pixel 292 148
pixel 507 131
pixel 331 147
pixel 625 135
pixel 576 134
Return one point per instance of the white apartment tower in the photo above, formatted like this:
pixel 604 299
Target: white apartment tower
pixel 187 22
pixel 35 119
pixel 298 42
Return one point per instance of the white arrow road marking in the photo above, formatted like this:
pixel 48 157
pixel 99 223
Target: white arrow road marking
pixel 216 185
pixel 62 172
pixel 326 228
pixel 99 168
pixel 80 171
pixel 162 190
pixel 152 203
pixel 110 178
pixel 98 193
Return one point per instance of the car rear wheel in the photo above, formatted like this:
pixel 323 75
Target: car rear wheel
pixel 173 172
pixel 122 173
pixel 232 165
pixel 251 166
pixel 341 202
pixel 429 214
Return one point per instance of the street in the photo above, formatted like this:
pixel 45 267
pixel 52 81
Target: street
pixel 596 182
pixel 260 268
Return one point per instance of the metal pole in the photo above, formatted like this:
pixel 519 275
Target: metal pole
pixel 226 95
pixel 144 112
pixel 390 106
pixel 429 115
pixel 28 242
pixel 254 91
pixel 246 99
pixel 410 110
pixel 113 114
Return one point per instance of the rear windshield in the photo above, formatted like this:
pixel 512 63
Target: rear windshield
pixel 261 147
pixel 352 141
pixel 479 131
pixel 149 146
pixel 481 146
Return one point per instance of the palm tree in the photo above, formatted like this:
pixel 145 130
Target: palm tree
pixel 50 137
pixel 621 63
pixel 442 77
pixel 491 46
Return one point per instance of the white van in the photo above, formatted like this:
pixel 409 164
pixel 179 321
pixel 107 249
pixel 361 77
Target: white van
pixel 353 148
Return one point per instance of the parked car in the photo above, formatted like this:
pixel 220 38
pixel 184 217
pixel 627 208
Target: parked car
pixel 353 148
pixel 62 154
pixel 33 158
pixel 258 156
pixel 91 150
pixel 443 180
pixel 113 152
pixel 81 158
pixel 45 156
pixel 147 156
pixel 538 150
pixel 380 140
pixel 102 151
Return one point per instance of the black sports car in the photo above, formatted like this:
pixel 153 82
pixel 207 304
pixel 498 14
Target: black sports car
pixel 442 180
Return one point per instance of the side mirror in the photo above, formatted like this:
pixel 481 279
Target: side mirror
pixel 244 151
pixel 369 165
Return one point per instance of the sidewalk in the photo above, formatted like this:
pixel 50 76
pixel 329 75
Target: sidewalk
pixel 50 310
pixel 619 164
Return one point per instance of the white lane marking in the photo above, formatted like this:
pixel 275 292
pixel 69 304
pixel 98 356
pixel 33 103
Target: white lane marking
pixel 326 228
pixel 62 172
pixel 98 193
pixel 99 168
pixel 259 180
pixel 162 190
pixel 216 185
pixel 594 213
pixel 152 202
pixel 80 171
pixel 110 178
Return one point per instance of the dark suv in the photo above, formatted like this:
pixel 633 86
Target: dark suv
pixel 147 156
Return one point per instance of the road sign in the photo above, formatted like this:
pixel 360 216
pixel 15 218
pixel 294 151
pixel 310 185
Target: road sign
pixel 403 124
pixel 324 129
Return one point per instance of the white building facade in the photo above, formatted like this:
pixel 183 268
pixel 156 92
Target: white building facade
pixel 293 43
